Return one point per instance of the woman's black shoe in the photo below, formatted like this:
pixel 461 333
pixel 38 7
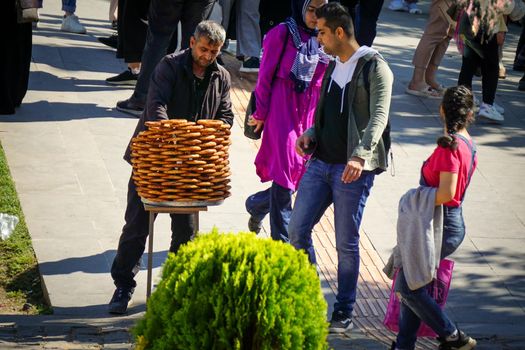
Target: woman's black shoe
pixel 110 41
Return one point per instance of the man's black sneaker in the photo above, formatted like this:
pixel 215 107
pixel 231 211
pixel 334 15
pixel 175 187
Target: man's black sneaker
pixel 120 300
pixel 125 78
pixel 340 322
pixel 110 41
pixel 130 107
pixel 521 84
pixel 464 342
pixel 254 225
pixel 251 65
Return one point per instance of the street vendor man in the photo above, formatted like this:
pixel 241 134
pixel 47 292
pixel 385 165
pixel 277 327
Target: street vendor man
pixel 190 85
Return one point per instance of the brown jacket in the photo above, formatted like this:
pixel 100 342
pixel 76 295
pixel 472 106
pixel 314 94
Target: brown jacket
pixel 171 94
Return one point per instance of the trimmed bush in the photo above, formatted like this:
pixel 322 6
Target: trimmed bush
pixel 235 291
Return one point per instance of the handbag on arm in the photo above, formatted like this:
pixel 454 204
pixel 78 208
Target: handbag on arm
pixel 249 130
pixel 26 11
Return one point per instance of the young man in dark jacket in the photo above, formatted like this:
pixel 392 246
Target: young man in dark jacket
pixel 349 122
pixel 187 85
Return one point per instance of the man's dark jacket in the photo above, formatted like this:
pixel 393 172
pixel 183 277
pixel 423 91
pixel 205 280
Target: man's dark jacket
pixel 171 94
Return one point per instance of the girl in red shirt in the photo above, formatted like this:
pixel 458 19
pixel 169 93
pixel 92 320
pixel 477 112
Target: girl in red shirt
pixel 449 168
pixel 451 165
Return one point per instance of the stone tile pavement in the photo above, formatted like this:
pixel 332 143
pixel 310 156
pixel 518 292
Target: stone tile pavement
pixel 64 148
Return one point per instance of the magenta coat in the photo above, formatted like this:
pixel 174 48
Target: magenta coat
pixel 286 113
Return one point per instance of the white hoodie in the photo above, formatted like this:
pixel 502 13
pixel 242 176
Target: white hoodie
pixel 344 71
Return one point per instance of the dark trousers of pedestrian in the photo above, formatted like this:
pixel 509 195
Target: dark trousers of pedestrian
pixel 365 15
pixel 272 13
pixel 276 201
pixel 133 238
pixel 163 17
pixel 132 29
pixel 487 58
pixel 519 59
pixel 15 59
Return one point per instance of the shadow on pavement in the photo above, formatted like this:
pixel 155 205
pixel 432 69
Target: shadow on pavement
pixel 44 81
pixel 89 22
pixel 45 111
pixel 97 263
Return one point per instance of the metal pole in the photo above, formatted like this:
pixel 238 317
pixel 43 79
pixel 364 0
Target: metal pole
pixel 150 253
pixel 196 222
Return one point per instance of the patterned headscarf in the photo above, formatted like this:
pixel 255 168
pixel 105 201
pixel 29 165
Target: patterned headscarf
pixel 309 53
pixel 298 12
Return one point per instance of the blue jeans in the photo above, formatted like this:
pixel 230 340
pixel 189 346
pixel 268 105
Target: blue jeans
pixel 69 6
pixel 277 201
pixel 321 186
pixel 418 305
pixel 453 230
pixel 247 19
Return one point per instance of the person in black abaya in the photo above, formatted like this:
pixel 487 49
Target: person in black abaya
pixel 16 42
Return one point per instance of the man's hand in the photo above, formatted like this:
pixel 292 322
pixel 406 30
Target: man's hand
pixel 353 170
pixel 255 122
pixel 302 143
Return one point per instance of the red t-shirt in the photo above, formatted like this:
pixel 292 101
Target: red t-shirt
pixel 447 160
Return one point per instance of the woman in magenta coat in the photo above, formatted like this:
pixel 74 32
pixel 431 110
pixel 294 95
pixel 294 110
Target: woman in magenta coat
pixel 287 92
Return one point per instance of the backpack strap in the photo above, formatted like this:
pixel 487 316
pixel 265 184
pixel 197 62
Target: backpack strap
pixel 473 150
pixel 366 72
pixel 281 56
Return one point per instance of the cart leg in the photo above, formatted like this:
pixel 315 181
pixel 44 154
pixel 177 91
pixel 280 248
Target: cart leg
pixel 196 222
pixel 150 253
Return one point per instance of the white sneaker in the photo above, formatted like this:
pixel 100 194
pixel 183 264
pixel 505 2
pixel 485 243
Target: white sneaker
pixel 71 24
pixel 397 5
pixel 498 108
pixel 413 9
pixel 489 112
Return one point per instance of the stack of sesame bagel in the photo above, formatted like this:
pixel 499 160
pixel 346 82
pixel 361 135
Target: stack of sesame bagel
pixel 182 161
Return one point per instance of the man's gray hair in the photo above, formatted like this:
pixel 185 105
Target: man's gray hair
pixel 213 31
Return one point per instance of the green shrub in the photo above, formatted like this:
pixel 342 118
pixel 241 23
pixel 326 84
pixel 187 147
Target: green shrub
pixel 235 291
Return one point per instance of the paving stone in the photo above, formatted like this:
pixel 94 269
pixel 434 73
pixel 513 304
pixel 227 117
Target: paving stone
pixel 117 337
pixel 354 342
pixel 123 346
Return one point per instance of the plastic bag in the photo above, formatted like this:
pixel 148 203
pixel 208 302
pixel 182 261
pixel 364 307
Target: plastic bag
pixel 438 290
pixel 7 225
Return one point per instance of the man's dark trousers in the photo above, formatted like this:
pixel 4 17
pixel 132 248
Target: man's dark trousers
pixel 365 15
pixel 163 18
pixel 133 238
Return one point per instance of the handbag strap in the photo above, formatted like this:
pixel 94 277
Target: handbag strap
pixel 281 55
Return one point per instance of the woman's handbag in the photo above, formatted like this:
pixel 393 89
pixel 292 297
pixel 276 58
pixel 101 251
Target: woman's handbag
pixel 249 130
pixel 438 289
pixel 27 11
